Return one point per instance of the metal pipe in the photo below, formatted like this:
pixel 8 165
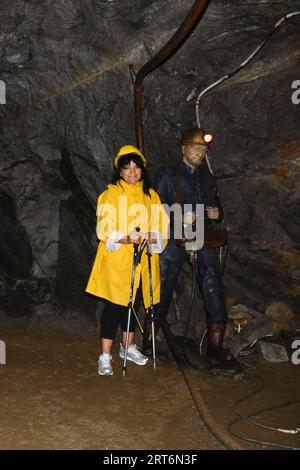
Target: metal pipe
pixel 162 56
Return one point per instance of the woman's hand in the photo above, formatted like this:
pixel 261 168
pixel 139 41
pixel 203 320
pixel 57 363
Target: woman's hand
pixel 135 237
pixel 151 238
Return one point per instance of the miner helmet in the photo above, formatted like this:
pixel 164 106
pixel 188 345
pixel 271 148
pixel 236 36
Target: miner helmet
pixel 196 136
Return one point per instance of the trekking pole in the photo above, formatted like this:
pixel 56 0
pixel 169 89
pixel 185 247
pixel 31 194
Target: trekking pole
pixel 138 260
pixel 138 321
pixel 152 311
pixel 130 306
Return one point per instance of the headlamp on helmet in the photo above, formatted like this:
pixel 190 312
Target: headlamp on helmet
pixel 196 137
pixel 207 138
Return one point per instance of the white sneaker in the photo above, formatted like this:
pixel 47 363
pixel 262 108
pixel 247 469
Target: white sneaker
pixel 105 364
pixel 134 355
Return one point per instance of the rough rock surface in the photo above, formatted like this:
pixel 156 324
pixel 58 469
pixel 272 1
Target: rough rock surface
pixel 69 107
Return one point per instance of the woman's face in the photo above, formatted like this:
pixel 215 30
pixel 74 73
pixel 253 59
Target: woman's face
pixel 131 173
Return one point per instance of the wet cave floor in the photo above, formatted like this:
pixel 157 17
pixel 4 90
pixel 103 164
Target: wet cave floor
pixel 52 397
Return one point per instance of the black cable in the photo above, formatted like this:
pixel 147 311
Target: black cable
pixel 255 423
pixel 244 63
pixel 210 423
pixel 189 316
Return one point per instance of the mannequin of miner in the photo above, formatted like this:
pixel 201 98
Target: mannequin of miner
pixel 197 186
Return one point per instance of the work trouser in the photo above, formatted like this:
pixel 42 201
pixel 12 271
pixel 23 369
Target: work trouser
pixel 209 280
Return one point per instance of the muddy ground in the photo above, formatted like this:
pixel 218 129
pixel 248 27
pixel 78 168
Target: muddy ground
pixel 52 397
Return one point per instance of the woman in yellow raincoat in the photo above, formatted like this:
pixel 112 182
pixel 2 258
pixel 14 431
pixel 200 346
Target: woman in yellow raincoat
pixel 125 206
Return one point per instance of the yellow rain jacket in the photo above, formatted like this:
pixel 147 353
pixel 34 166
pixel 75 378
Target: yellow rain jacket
pixel 120 209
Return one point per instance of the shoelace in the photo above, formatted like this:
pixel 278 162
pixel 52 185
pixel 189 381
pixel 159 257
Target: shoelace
pixel 105 360
pixel 134 350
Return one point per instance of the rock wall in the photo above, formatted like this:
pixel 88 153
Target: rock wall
pixel 69 107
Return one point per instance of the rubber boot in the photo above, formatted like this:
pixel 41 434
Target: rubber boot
pixel 217 356
pixel 147 337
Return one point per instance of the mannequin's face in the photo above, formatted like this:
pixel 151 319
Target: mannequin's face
pixel 194 153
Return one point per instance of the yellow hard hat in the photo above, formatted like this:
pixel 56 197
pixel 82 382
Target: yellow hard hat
pixel 125 150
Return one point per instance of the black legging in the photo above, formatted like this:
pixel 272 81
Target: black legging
pixel 113 314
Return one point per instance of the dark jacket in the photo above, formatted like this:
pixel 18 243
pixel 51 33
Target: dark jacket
pixel 199 187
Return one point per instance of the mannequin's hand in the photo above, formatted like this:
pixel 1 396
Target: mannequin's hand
pixel 189 217
pixel 213 213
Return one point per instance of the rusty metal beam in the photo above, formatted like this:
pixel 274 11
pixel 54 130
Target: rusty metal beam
pixel 162 56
